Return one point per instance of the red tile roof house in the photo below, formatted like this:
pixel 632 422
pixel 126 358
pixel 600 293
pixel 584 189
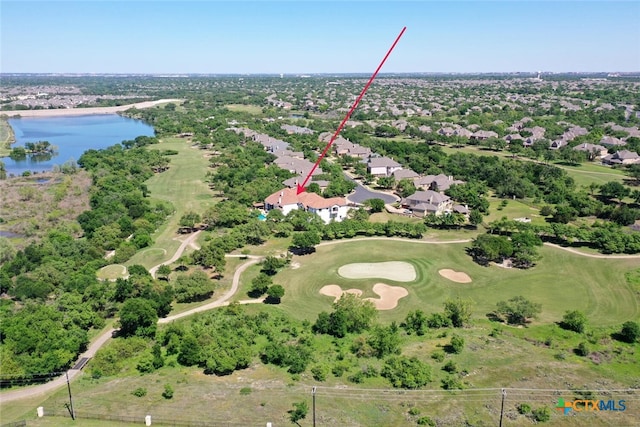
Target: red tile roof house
pixel 428 202
pixel 333 209
pixel 382 166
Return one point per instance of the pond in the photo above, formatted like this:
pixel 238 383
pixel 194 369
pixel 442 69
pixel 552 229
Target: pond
pixel 72 136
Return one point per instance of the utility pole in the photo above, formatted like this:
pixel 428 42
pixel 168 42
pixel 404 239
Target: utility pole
pixel 504 394
pixel 73 414
pixel 313 399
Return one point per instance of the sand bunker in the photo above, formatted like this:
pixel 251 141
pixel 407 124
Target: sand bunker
pixel 336 291
pixel 398 271
pixel 455 276
pixel 389 295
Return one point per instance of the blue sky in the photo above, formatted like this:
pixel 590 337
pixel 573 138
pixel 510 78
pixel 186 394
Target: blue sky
pixel 317 36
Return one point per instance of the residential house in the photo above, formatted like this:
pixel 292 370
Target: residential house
pixel 482 135
pixel 624 157
pixel 382 166
pixel 611 140
pixel 439 182
pixel 404 174
pixel 427 202
pixel 359 151
pixel 333 209
pixel 293 129
pixel 595 149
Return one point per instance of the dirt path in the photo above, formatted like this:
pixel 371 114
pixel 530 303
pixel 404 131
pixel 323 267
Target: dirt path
pixel 186 242
pixel 85 111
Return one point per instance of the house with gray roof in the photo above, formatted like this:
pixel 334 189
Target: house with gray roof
pixel 595 149
pixel 427 202
pixel 624 157
pixel 382 166
pixel 439 182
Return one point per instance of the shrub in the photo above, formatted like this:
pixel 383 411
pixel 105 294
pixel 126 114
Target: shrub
pixel 542 414
pixel 524 408
pixel 168 391
pixel 450 367
pixel 244 391
pixel 139 392
pixel 451 382
pixel 438 355
pixel 582 349
pixel 426 421
pixel 630 332
pixel 456 345
pixel 320 372
pixel 414 411
pixel 574 321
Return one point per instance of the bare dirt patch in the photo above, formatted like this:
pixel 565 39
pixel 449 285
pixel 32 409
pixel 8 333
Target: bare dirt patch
pixel 398 271
pixel 455 276
pixel 389 295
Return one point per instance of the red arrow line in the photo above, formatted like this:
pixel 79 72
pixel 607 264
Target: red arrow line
pixel 301 188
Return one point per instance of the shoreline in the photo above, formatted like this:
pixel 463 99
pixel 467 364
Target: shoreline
pixel 59 112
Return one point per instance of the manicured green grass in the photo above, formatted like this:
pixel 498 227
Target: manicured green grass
pixel 561 281
pixel 514 209
pixel 184 187
pixel 112 272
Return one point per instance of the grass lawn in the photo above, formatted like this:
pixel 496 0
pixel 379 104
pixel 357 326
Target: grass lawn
pixel 514 209
pixel 561 281
pixel 251 109
pixel 112 272
pixel 182 185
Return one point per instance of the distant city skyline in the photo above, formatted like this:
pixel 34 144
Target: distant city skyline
pixel 306 37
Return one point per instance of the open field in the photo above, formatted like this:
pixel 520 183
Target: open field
pixel 251 109
pixel 183 185
pixel 514 209
pixel 561 281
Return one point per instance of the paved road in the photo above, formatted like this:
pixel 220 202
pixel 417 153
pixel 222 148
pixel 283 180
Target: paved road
pixel 178 253
pixel 362 194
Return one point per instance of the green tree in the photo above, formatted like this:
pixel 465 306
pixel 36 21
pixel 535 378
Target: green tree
pixel 259 285
pixel 475 218
pixel 614 190
pixel 458 311
pixel 518 310
pixel 164 271
pixel 406 372
pixel 305 242
pixel 194 287
pixel 275 294
pixel 574 320
pixel 138 317
pixel 376 205
pixel 299 412
pixel 630 332
pixel 385 340
pixel 456 345
pixel 350 315
pixel 386 182
pixel 189 220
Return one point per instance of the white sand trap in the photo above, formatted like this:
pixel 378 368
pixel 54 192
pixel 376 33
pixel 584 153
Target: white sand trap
pixel 398 271
pixel 455 276
pixel 336 291
pixel 389 296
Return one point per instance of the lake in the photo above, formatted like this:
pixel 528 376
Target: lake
pixel 72 135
